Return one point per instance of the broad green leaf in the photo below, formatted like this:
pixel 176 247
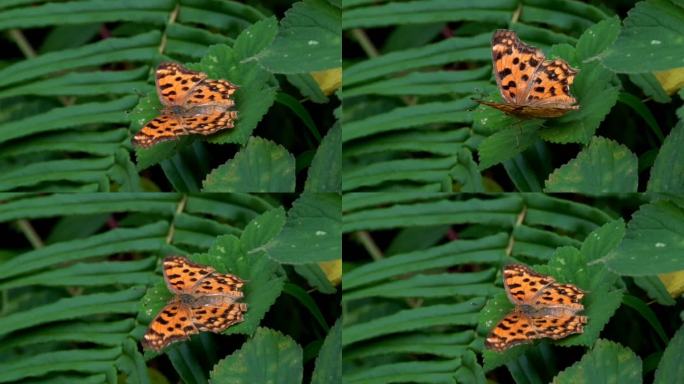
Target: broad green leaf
pixel 269 357
pixel 325 171
pixel 666 174
pixel 513 138
pixel 607 362
pixel 670 365
pixel 654 241
pixel 261 166
pixel 603 166
pixel 312 232
pixel 651 40
pixel 329 361
pixel 262 229
pixel 309 39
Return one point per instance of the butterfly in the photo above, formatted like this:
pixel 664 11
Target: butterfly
pixel 204 300
pixel 531 86
pixel 192 104
pixel 543 308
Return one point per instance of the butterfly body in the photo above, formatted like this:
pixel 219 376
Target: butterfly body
pixel 543 308
pixel 531 86
pixel 192 104
pixel 204 300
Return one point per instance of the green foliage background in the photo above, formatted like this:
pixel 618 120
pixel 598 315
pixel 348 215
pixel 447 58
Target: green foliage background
pixel 422 286
pixel 81 281
pixel 412 68
pixel 77 83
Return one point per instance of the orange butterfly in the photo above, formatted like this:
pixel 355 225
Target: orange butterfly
pixel 543 308
pixel 192 103
pixel 204 300
pixel 530 85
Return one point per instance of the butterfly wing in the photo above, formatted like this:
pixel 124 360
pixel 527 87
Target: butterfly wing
pixel 181 275
pixel 523 285
pixel 216 318
pixel 558 325
pixel 212 92
pixel 566 296
pixel 172 324
pixel 551 86
pixel 210 120
pixel 175 82
pixel 514 64
pixel 161 128
pixel 514 329
pixel 220 284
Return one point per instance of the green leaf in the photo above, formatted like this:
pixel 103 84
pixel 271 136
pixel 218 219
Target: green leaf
pixel 408 117
pixel 606 362
pixel 269 357
pixel 508 141
pixel 464 313
pixel 121 302
pixel 666 174
pixel 84 361
pixel 309 39
pixel 654 241
pixel 670 365
pixel 602 167
pixel 329 361
pixel 466 172
pixel 261 166
pixel 312 232
pixel 324 175
pixel 262 229
pixel 651 40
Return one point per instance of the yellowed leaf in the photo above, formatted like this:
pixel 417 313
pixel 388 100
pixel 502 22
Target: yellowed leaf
pixel 329 80
pixel 332 270
pixel 671 80
pixel 674 282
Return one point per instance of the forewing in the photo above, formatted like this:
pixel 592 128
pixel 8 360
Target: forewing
pixel 159 129
pixel 514 64
pixel 172 324
pixel 218 318
pixel 181 275
pixel 212 92
pixel 514 329
pixel 175 82
pixel 551 86
pixel 523 284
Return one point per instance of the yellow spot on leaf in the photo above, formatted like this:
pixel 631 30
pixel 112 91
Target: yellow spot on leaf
pixel 329 80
